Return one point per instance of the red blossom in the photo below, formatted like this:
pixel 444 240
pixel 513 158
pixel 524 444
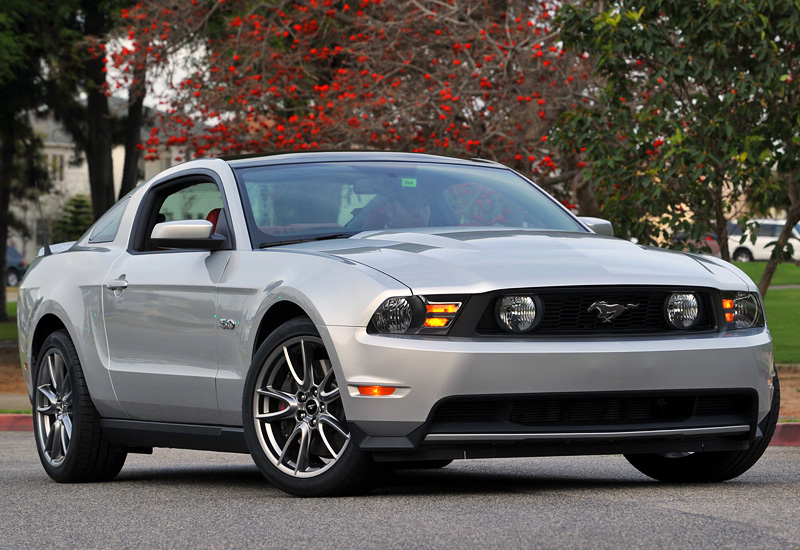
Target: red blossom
pixel 338 75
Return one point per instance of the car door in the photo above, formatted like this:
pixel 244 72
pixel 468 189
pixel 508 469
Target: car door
pixel 159 308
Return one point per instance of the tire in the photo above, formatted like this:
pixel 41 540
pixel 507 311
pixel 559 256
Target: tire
pixel 742 255
pixel 66 425
pixel 294 422
pixel 709 467
pixel 12 278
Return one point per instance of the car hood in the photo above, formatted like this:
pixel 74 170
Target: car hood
pixel 439 260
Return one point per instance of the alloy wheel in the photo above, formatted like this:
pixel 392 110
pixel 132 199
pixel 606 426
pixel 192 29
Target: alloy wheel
pixel 54 408
pixel 297 409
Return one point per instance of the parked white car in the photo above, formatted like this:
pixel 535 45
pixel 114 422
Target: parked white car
pixel 768 232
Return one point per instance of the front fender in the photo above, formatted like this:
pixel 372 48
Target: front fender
pixel 255 282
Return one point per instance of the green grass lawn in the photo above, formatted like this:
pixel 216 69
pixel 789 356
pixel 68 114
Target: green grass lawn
pixel 786 274
pixel 783 317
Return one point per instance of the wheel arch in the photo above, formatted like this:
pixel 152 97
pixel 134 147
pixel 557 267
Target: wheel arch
pixel 278 314
pixel 47 325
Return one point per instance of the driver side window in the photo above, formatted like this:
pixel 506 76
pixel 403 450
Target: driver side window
pixel 195 202
pixel 178 201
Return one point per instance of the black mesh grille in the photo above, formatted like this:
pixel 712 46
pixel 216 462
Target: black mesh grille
pixel 468 412
pixel 547 410
pixel 710 405
pixel 567 312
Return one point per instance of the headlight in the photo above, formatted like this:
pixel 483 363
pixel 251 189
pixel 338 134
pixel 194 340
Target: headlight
pixel 414 315
pixel 682 310
pixel 394 316
pixel 518 313
pixel 742 310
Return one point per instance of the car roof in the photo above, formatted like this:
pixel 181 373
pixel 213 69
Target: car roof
pixel 261 159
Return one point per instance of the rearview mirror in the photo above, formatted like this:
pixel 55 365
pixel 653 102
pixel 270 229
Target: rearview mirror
pixel 598 225
pixel 188 234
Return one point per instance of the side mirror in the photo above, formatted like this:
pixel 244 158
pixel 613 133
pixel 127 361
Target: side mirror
pixel 599 226
pixel 188 234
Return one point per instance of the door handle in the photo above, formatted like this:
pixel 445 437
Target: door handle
pixel 117 284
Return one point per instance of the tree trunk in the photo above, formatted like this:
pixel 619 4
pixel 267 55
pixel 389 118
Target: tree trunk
pixel 585 196
pixel 98 143
pixel 721 230
pixel 6 173
pixel 792 218
pixel 133 130
pixel 720 222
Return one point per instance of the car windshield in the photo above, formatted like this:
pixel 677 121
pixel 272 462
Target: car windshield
pixel 300 202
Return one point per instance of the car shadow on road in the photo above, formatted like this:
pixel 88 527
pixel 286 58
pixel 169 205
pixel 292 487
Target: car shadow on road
pixel 451 481
pixel 206 475
pixel 445 481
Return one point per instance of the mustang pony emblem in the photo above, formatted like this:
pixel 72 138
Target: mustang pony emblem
pixel 608 312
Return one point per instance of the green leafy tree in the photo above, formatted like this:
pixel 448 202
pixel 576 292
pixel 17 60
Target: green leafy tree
pixel 699 109
pixel 28 33
pixel 78 91
pixel 75 220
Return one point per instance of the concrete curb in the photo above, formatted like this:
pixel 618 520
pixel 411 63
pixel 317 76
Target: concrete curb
pixel 787 434
pixel 16 423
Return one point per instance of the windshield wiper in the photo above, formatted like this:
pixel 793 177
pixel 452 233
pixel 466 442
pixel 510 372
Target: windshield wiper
pixel 269 244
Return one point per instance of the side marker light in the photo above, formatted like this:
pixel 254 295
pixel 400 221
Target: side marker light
pixel 376 391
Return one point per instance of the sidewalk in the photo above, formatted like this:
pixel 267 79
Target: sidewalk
pixel 14 401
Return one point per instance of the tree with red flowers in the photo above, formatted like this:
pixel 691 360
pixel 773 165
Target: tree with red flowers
pixel 143 47
pixel 483 79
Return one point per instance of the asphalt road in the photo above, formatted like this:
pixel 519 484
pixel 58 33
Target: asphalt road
pixel 187 499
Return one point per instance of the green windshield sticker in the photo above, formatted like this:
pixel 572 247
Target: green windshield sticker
pixel 409 182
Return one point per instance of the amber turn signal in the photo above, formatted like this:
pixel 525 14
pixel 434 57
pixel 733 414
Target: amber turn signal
pixel 442 308
pixel 376 390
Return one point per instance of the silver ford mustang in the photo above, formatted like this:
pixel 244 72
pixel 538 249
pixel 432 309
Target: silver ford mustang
pixel 337 315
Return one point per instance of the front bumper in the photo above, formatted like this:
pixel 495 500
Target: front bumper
pixel 427 371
